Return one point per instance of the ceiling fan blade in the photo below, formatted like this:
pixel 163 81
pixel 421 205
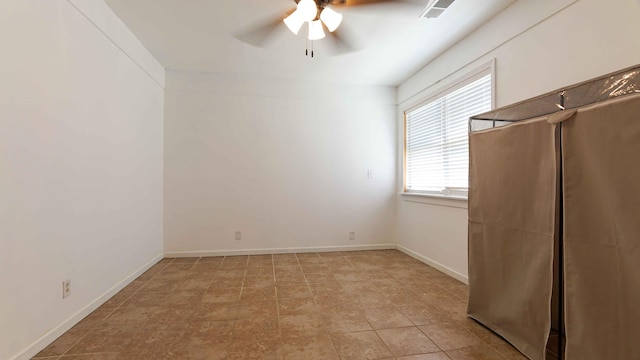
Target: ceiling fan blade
pixel 261 31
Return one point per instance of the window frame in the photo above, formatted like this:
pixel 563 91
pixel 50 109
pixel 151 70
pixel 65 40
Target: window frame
pixel 460 82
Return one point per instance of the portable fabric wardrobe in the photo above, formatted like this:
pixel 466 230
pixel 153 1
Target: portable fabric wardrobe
pixel 554 219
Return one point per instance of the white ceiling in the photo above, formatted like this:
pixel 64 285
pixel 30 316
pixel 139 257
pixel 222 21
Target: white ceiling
pixel 393 42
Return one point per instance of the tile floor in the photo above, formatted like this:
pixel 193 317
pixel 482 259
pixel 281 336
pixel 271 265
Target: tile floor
pixel 339 305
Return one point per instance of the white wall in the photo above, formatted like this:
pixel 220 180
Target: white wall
pixel 539 46
pixel 284 162
pixel 80 165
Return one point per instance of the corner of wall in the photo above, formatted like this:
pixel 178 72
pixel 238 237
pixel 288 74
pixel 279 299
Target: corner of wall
pixel 104 19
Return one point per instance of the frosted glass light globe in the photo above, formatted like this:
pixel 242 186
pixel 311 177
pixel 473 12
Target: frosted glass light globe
pixel 307 10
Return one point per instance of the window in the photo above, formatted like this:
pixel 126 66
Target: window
pixel 437 141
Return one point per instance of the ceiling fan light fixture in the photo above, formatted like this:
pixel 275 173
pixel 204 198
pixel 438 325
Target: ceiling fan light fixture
pixel 315 30
pixel 307 10
pixel 294 22
pixel 331 18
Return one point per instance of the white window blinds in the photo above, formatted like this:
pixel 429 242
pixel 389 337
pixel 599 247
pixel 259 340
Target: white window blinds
pixel 437 142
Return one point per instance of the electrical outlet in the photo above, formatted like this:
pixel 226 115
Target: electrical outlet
pixel 66 288
pixel 352 235
pixel 370 174
pixel 238 235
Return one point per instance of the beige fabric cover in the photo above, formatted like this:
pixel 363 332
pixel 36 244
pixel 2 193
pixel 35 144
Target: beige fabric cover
pixel 512 212
pixel 601 168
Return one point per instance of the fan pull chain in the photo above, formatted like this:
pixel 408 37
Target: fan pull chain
pixel 306 51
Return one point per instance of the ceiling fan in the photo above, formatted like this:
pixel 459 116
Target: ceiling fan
pixel 318 15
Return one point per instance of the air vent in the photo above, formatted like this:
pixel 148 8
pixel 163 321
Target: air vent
pixel 435 8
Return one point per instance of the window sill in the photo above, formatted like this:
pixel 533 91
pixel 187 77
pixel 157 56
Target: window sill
pixel 439 200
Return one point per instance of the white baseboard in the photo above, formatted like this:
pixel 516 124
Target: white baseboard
pixel 454 274
pixel 203 253
pixel 56 332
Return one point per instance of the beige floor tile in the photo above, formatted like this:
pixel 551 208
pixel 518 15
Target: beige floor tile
pixel 251 349
pixel 481 332
pixel 319 278
pixel 160 286
pixel 62 344
pixel 319 268
pixel 267 293
pixel 211 259
pixel 300 326
pixel 386 318
pixel 509 352
pixel 226 282
pixel 175 276
pixel 316 277
pixel 312 348
pixel 217 294
pixel 158 342
pixel 177 267
pixel 260 309
pixel 132 316
pixel 173 314
pixel 263 280
pixel 260 329
pixel 285 306
pixel 235 261
pixel 407 341
pixel 432 356
pixel 216 311
pixel 96 356
pixel 449 336
pixel 183 297
pixel 260 264
pixel 422 314
pixel 287 270
pixel 360 346
pixel 372 301
pixel 345 321
pixel 110 339
pixel 193 284
pixel 297 306
pixel 229 273
pixel 286 264
pixel 292 279
pixel 293 291
pixel 145 299
pixel 206 351
pixel 336 302
pixel 483 352
pixel 210 332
